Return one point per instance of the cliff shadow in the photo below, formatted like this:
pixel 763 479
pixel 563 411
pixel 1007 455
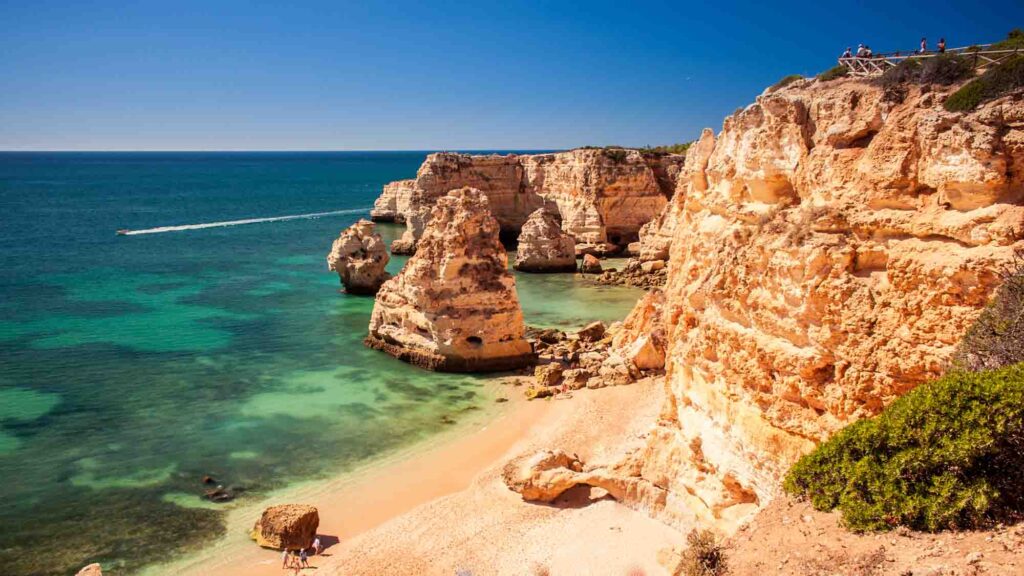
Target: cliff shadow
pixel 580 496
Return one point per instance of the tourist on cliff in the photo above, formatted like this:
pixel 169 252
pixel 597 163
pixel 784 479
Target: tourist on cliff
pixel 941 45
pixel 860 51
pixel 847 54
pixel 924 46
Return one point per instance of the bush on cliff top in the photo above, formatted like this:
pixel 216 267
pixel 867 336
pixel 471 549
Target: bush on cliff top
pixel 994 83
pixel 997 337
pixel 666 149
pixel 1014 40
pixel 949 454
pixel 944 69
pixel 839 71
pixel 786 81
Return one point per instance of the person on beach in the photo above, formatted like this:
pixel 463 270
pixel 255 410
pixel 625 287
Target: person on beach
pixel 285 559
pixel 303 559
pixel 316 546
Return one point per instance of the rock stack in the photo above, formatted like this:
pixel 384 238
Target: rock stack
pixel 359 257
pixel 543 247
pixel 287 527
pixel 454 306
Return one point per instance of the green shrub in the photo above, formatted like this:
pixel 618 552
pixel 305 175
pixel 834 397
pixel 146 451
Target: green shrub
pixel 1014 40
pixel 949 454
pixel 942 69
pixel 786 81
pixel 995 82
pixel 703 556
pixel 839 71
pixel 667 149
pixel 615 154
pixel 997 338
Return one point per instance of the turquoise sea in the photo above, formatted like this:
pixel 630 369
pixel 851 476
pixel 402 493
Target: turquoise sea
pixel 131 366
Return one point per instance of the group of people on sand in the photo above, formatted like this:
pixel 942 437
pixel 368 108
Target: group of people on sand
pixel 864 51
pixel 300 559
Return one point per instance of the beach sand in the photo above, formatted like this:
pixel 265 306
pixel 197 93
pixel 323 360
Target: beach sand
pixel 446 508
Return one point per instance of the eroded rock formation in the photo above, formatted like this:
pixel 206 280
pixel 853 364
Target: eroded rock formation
pixel 603 197
pixel 543 246
pixel 287 527
pixel 828 249
pixel 90 570
pixel 359 256
pixel 454 306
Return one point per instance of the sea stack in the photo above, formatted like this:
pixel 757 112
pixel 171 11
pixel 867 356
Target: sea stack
pixel 359 257
pixel 543 246
pixel 454 307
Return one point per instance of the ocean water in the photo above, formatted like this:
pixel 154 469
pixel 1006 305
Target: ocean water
pixel 131 366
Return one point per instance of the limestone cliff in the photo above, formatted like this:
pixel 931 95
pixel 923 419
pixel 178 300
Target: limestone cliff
pixel 454 306
pixel 544 247
pixel 827 251
pixel 601 196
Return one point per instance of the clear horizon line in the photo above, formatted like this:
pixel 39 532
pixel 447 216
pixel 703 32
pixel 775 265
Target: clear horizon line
pixel 291 150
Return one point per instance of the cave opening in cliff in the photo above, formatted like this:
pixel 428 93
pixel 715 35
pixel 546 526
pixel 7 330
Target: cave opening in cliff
pixel 475 341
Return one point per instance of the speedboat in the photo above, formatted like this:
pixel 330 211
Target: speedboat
pixel 123 232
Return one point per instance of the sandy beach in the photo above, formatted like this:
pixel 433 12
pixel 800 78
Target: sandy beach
pixel 446 508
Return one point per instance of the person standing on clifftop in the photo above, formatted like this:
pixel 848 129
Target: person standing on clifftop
pixel 924 46
pixel 942 45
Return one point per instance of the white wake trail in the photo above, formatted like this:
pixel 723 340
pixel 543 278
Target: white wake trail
pixel 183 227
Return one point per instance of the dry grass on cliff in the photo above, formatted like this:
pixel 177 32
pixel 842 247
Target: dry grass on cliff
pixel 997 338
pixel 994 83
pixel 704 556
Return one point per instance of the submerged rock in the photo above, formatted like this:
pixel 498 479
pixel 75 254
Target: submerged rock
pixel 359 257
pixel 543 247
pixel 454 306
pixel 287 527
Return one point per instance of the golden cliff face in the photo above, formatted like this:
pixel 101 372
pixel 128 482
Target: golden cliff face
pixel 827 252
pixel 601 196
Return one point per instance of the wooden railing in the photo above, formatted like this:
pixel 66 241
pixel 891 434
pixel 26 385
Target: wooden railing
pixel 980 58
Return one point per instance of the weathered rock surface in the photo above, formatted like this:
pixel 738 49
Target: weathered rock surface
pixel 825 258
pixel 454 306
pixel 602 197
pixel 543 246
pixel 90 570
pixel 590 264
pixel 287 526
pixel 359 256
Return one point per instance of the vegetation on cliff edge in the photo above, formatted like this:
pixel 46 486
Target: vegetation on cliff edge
pixel 703 556
pixel 838 71
pixel 996 338
pixel 994 83
pixel 949 454
pixel 786 81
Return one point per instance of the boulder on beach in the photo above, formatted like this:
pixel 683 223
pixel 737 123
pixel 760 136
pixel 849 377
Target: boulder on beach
pixel 359 256
pixel 287 527
pixel 543 246
pixel 590 265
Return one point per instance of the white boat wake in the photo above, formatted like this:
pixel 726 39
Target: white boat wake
pixel 183 227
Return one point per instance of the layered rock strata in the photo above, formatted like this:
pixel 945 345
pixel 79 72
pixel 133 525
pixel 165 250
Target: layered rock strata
pixel 543 246
pixel 602 196
pixel 359 256
pixel 828 250
pixel 454 306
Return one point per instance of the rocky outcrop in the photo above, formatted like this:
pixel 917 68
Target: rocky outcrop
pixel 90 570
pixel 393 202
pixel 828 250
pixel 454 306
pixel 287 527
pixel 590 264
pixel 543 247
pixel 359 257
pixel 602 196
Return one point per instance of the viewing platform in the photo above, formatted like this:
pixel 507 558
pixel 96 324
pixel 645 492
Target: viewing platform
pixel 980 57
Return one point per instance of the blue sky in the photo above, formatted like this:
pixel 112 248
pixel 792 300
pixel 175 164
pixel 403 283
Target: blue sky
pixel 341 75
